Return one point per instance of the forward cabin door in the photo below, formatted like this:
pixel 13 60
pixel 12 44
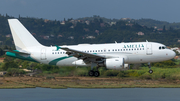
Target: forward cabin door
pixel 43 54
pixel 149 49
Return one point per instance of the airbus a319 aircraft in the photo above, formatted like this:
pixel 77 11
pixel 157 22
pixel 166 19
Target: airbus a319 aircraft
pixel 112 56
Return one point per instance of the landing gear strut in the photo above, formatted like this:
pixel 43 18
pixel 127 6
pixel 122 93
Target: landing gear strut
pixel 149 65
pixel 92 72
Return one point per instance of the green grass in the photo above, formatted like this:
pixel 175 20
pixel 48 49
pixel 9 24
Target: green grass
pixel 158 73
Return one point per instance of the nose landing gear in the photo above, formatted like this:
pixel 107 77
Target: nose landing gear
pixel 150 71
pixel 149 65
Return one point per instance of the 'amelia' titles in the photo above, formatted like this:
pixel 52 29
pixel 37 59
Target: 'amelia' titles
pixel 134 46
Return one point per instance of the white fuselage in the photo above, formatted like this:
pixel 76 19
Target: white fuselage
pixel 137 52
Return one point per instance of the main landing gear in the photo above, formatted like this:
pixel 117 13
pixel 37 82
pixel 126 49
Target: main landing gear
pixel 92 72
pixel 149 65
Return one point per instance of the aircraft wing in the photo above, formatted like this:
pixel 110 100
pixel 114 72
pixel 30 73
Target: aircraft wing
pixel 80 54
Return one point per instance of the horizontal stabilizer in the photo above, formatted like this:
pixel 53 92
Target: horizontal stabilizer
pixel 20 53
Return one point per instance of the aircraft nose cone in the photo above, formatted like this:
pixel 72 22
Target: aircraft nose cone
pixel 173 54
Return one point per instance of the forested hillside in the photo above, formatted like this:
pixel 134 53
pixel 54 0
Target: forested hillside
pixel 158 24
pixel 88 30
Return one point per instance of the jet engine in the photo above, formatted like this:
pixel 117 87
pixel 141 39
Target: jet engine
pixel 114 63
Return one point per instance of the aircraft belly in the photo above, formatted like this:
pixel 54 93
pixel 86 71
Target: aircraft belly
pixel 66 62
pixel 133 59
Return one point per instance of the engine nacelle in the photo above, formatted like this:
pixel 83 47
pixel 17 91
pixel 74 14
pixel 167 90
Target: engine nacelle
pixel 114 63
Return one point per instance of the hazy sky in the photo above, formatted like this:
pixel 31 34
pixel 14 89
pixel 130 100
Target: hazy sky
pixel 164 10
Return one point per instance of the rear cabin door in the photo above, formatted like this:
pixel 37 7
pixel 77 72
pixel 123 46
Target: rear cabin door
pixel 43 54
pixel 149 49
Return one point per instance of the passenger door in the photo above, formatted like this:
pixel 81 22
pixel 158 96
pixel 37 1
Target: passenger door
pixel 148 49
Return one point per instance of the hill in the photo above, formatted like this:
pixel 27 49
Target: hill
pixel 159 24
pixel 90 30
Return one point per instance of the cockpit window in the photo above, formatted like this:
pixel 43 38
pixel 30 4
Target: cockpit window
pixel 163 47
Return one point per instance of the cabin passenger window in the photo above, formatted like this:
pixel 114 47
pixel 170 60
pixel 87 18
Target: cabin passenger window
pixel 134 49
pixel 52 52
pixel 126 49
pixel 115 49
pixel 109 50
pixel 129 49
pixel 123 49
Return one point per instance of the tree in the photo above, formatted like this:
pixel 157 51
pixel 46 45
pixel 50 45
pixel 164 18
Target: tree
pixel 8 65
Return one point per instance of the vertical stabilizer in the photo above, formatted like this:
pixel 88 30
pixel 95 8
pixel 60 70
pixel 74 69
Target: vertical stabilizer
pixel 21 36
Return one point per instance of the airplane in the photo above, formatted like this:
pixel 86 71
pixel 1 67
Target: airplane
pixel 112 55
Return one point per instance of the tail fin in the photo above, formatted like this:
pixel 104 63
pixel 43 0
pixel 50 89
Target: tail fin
pixel 21 36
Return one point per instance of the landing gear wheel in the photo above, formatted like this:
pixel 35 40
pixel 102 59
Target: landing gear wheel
pixel 150 71
pixel 91 73
pixel 96 73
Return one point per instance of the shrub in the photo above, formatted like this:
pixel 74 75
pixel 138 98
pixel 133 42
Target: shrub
pixel 148 77
pixel 111 73
pixel 121 74
pixel 47 72
pixel 81 72
pixel 136 73
pixel 14 71
pixel 7 65
pixel 165 64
